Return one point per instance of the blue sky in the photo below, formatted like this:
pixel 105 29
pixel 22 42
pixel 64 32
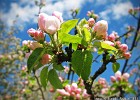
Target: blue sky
pixel 114 11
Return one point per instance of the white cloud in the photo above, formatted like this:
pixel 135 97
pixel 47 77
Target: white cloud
pixel 116 11
pixel 28 10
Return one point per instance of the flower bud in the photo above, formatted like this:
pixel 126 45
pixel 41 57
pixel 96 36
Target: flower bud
pixel 46 58
pixel 39 36
pixel 49 24
pixel 102 81
pixel 101 28
pixel 127 55
pixel 113 78
pixel 33 45
pixel 84 94
pixel 91 22
pixel 118 75
pixel 74 86
pixel 63 92
pixel 125 76
pixel 111 37
pixel 58 15
pixel 31 32
pixel 68 88
pixel 123 47
pixel 104 91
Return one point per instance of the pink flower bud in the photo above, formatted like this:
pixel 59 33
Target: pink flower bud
pixel 84 94
pixel 111 37
pixel 49 24
pixel 59 98
pixel 118 75
pixel 126 76
pixel 58 15
pixel 127 55
pixel 78 97
pixel 101 28
pixel 74 86
pixel 46 58
pixel 52 90
pixel 104 91
pixel 63 92
pixel 31 32
pixel 102 81
pixel 123 47
pixel 113 78
pixel 68 88
pixel 39 36
pixel 33 45
pixel 109 43
pixel 25 43
pixel 91 22
pixel 78 91
pixel 118 43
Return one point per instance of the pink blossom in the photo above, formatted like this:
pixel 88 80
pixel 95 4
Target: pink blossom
pixel 68 88
pixel 46 58
pixel 31 32
pixel 78 97
pixel 118 43
pixel 39 36
pixel 52 90
pixel 74 86
pixel 84 94
pixel 126 76
pixel 127 55
pixel 102 81
pixel 59 98
pixel 49 24
pixel 63 92
pixel 118 75
pixel 113 78
pixel 111 37
pixel 91 22
pixel 101 28
pixel 25 43
pixel 78 91
pixel 123 47
pixel 58 15
pixel 33 45
pixel 104 91
pixel 109 43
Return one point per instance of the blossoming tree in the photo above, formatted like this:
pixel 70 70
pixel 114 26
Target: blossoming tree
pixel 77 51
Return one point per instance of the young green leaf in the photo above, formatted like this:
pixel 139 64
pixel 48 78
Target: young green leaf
pixel 83 67
pixel 107 46
pixel 34 58
pixel 115 67
pixel 86 34
pixel 54 80
pixel 67 26
pixel 44 76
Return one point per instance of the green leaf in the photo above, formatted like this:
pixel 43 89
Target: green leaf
pixel 67 38
pixel 54 80
pixel 130 90
pixel 77 61
pixel 34 58
pixel 82 22
pixel 81 63
pixel 86 34
pixel 67 26
pixel 44 76
pixel 58 67
pixel 107 46
pixel 86 65
pixel 115 67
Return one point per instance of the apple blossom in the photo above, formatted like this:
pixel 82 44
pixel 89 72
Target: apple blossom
pixel 46 58
pixel 91 22
pixel 49 24
pixel 68 88
pixel 118 75
pixel 58 15
pixel 101 28
pixel 104 91
pixel 123 47
pixel 63 92
pixel 113 78
pixel 125 76
pixel 126 55
pixel 74 86
pixel 111 37
pixel 31 32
